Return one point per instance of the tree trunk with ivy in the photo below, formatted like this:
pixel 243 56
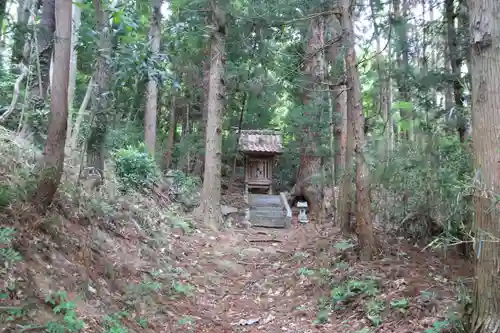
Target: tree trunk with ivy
pixel 364 228
pixel 338 129
pixel 24 8
pixel 310 160
pixel 339 96
pixel 346 195
pixel 343 162
pixel 53 158
pixel 456 58
pixel 100 95
pixel 75 34
pixel 485 69
pixel 172 125
pixel 210 205
pixel 200 162
pixel 40 65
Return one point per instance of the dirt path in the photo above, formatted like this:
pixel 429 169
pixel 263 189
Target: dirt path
pixel 263 280
pixel 253 287
pixel 299 280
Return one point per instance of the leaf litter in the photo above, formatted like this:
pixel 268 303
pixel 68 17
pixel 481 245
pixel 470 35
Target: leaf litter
pixel 232 281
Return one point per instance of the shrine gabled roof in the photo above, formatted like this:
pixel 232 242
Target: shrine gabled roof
pixel 261 141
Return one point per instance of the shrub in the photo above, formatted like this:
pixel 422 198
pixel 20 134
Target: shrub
pixel 427 189
pixel 135 167
pixel 123 135
pixel 185 188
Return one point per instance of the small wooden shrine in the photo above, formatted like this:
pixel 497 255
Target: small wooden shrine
pixel 260 148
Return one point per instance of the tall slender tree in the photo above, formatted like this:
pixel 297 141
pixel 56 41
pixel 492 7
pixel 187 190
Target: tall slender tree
pixel 310 161
pixel 53 160
pixel 484 30
pixel 210 207
pixel 100 95
pixel 76 18
pixel 152 89
pixel 364 228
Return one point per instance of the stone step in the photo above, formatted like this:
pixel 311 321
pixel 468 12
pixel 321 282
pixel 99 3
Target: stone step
pixel 269 218
pixel 259 200
pixel 266 223
pixel 262 212
pixel 267 211
pixel 269 223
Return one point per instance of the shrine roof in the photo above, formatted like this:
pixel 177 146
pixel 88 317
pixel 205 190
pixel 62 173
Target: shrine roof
pixel 261 141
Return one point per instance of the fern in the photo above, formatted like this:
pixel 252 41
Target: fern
pixel 7 253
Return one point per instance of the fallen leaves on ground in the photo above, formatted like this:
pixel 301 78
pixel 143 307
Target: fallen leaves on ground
pixel 303 279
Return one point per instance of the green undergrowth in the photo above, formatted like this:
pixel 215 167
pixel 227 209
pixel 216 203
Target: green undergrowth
pixel 349 291
pixel 98 260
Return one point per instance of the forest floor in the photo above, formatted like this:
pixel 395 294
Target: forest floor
pixel 239 280
pixel 306 280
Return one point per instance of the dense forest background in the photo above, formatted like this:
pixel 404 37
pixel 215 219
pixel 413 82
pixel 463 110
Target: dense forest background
pixel 375 99
pixel 140 73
